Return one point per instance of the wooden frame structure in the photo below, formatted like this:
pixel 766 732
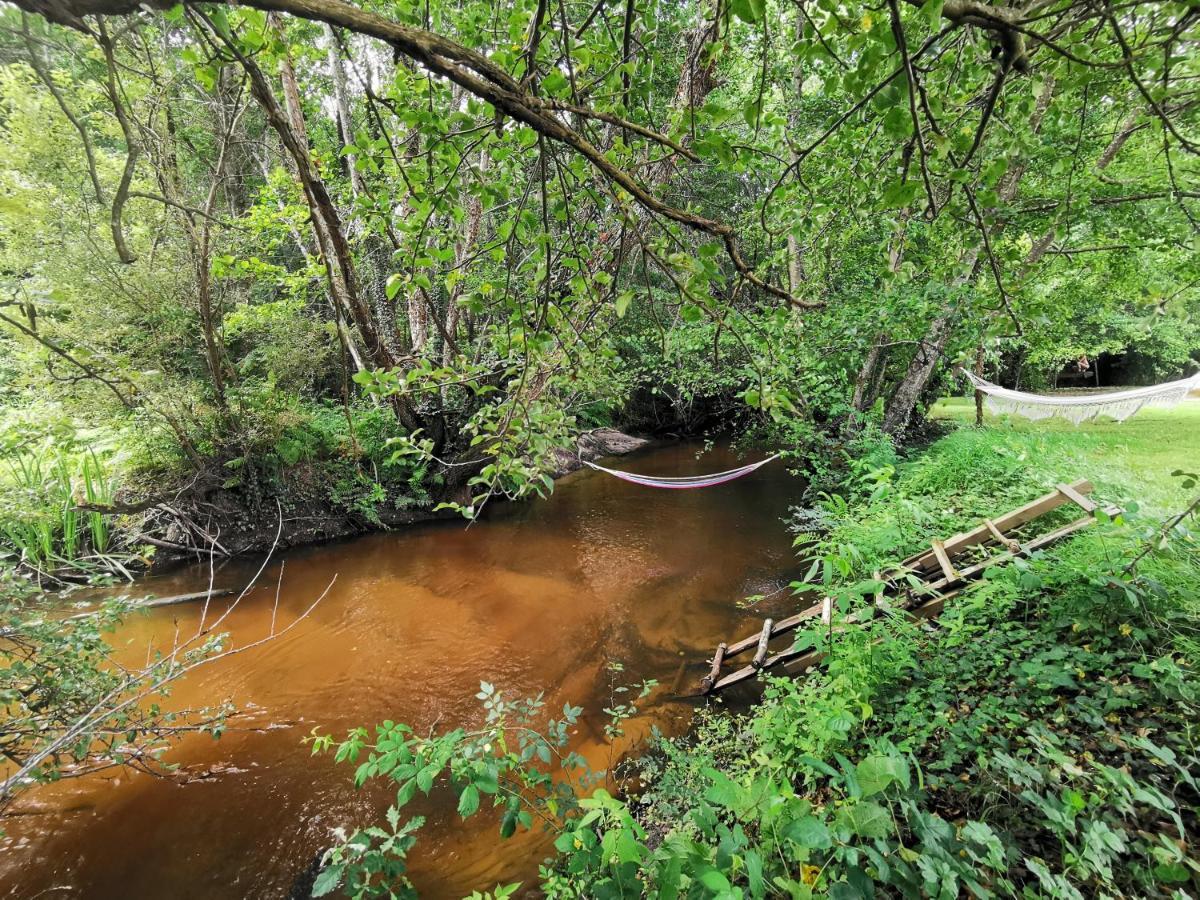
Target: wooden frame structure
pixel 920 586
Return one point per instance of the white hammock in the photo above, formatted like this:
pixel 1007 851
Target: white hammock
pixel 1119 405
pixel 687 481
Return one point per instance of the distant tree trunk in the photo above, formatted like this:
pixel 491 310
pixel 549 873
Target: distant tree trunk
pixel 345 124
pixel 795 262
pixel 929 351
pixel 374 283
pixel 288 122
pixel 870 376
pixel 462 252
pixel 979 393
pixel 866 374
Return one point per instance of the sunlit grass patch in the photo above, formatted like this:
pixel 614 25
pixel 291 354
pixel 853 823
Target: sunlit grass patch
pixel 1129 461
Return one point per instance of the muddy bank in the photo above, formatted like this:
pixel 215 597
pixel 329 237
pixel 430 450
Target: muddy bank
pixel 228 523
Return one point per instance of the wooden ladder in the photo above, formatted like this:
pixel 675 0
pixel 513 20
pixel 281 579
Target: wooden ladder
pixel 934 569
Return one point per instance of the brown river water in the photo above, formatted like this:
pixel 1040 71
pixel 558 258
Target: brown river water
pixel 538 597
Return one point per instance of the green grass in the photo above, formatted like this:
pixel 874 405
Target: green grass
pixel 1130 461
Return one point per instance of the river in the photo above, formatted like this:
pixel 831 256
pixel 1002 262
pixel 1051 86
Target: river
pixel 537 597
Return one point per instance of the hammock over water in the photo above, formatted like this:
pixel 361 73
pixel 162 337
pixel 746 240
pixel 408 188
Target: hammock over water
pixel 690 481
pixel 1119 405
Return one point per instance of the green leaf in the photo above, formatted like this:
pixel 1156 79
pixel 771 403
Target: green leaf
pixel 487 781
pixel 327 880
pixel 713 880
pixel 932 11
pixel 555 84
pixel 754 873
pixel 752 110
pixel 899 194
pixel 623 300
pixel 877 773
pixel 869 820
pixel 508 825
pixel 468 801
pixel 749 10
pixel 809 832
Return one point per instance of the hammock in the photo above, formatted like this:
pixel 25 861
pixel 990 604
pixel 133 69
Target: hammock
pixel 690 481
pixel 1119 405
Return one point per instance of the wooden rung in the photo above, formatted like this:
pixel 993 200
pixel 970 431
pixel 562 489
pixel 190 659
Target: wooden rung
pixel 1086 503
pixel 783 626
pixel 1000 538
pixel 763 639
pixel 939 551
pixel 926 560
pixel 710 679
pixel 826 610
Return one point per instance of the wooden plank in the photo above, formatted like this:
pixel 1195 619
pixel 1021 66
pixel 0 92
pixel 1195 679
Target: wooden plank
pixel 827 611
pixel 927 561
pixel 710 679
pixel 1088 505
pixel 763 639
pixel 939 550
pixel 783 626
pixel 1000 537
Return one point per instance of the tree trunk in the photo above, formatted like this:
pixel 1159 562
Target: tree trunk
pixel 866 374
pixel 462 252
pixel 374 282
pixel 979 393
pixel 929 351
pixel 795 262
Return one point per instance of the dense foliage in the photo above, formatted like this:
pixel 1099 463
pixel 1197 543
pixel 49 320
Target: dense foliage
pixel 374 262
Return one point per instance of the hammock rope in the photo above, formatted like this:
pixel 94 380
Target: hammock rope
pixel 1119 405
pixel 684 482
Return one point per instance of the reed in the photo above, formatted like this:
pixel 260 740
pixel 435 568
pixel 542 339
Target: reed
pixel 39 517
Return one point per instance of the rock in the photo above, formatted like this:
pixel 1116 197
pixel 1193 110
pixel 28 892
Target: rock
pixel 595 444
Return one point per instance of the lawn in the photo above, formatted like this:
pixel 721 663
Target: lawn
pixel 1127 461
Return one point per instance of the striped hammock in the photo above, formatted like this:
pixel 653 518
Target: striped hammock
pixel 1077 408
pixel 685 483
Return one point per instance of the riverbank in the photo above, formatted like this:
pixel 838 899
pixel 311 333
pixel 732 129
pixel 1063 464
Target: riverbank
pixel 205 518
pixel 306 515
